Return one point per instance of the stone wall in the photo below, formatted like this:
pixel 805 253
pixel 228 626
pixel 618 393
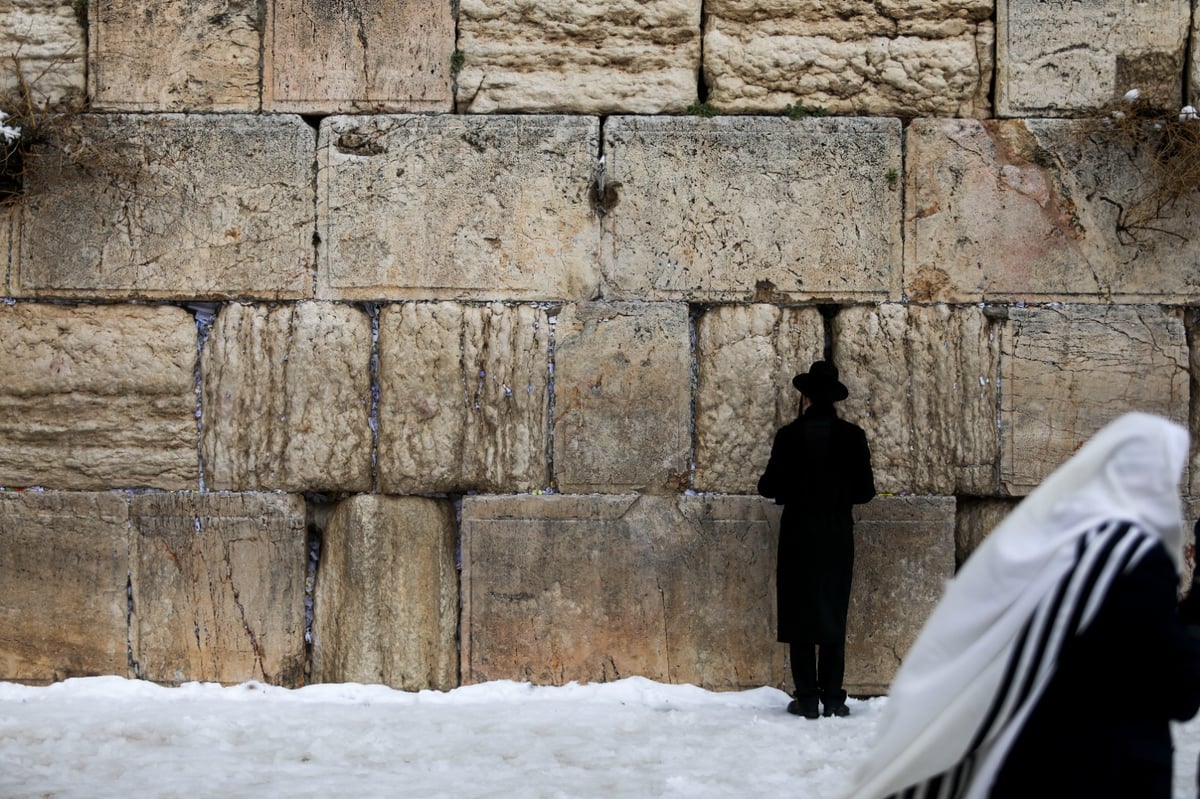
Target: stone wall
pixel 443 344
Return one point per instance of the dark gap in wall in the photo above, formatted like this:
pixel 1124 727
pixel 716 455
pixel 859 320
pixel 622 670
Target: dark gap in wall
pixel 1188 59
pixel 552 312
pixel 313 121
pixel 603 194
pixel 318 508
pixel 701 86
pixel 996 316
pixel 695 311
pixel 993 81
pixel 457 500
pixel 828 311
pixel 205 313
pixel 372 311
pixel 135 668
pixel 455 58
pixel 262 52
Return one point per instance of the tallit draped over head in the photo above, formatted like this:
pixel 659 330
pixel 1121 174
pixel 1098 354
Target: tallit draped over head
pixel 944 695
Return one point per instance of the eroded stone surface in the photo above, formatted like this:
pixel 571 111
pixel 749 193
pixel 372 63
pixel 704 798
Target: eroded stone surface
pixel 678 589
pixel 578 56
pixel 385 608
pixel 1069 370
pixel 977 517
pixel 453 207
pixel 591 588
pixel 287 398
pixel 904 554
pixel 1056 58
pixel 923 385
pixel 746 356
pixel 323 57
pixel 913 59
pixel 64 564
pixel 622 388
pixel 97 396
pixel 161 206
pixel 218 587
pixel 1041 210
pixel 759 209
pixel 212 47
pixel 47 41
pixel 463 397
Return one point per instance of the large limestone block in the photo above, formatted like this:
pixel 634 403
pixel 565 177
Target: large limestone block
pixel 97 396
pixel 679 589
pixel 1041 210
pixel 746 356
pixel 904 554
pixel 211 46
pixel 622 394
pixel 321 57
pixel 287 398
pixel 44 52
pixel 218 587
pixel 1056 58
pixel 385 606
pixel 464 397
pixel 908 59
pixel 759 209
pixel 452 207
pixel 1066 371
pixel 170 206
pixel 64 564
pixel 596 588
pixel 578 56
pixel 923 385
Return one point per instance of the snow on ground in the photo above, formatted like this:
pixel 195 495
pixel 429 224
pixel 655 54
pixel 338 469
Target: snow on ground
pixel 101 737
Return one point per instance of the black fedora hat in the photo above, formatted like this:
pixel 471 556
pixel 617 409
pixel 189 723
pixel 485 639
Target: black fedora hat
pixel 820 383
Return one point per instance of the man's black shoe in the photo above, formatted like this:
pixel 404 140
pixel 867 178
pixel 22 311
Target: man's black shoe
pixel 840 710
pixel 804 707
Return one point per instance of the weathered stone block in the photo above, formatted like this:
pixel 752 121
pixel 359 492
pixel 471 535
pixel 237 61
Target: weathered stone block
pixel 322 57
pixel 160 206
pixel 904 554
pixel 977 517
pixel 922 58
pixel 287 398
pixel 1069 370
pixel 1041 210
pixel 1056 58
pixel 463 397
pixel 212 47
pixel 578 56
pixel 678 589
pixel 746 356
pixel 218 587
pixel 592 588
pixel 452 207
pixel 385 608
pixel 622 388
pixel 64 563
pixel 44 51
pixel 758 209
pixel 95 397
pixel 923 385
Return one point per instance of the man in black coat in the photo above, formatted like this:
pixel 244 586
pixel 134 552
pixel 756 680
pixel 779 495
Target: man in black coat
pixel 820 466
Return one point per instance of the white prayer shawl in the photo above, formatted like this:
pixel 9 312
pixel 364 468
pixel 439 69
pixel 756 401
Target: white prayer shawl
pixel 991 645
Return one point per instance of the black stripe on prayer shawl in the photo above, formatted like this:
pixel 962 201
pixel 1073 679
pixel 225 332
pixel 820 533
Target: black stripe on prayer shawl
pixel 1101 555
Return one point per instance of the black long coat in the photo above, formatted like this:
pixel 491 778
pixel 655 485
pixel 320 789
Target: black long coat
pixel 820 467
pixel 1102 726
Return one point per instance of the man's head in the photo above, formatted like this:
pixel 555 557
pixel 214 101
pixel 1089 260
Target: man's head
pixel 820 384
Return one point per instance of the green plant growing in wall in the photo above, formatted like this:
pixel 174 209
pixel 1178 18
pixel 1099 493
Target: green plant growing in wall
pixel 456 62
pixel 798 110
pixel 81 12
pixel 892 176
pixel 705 110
